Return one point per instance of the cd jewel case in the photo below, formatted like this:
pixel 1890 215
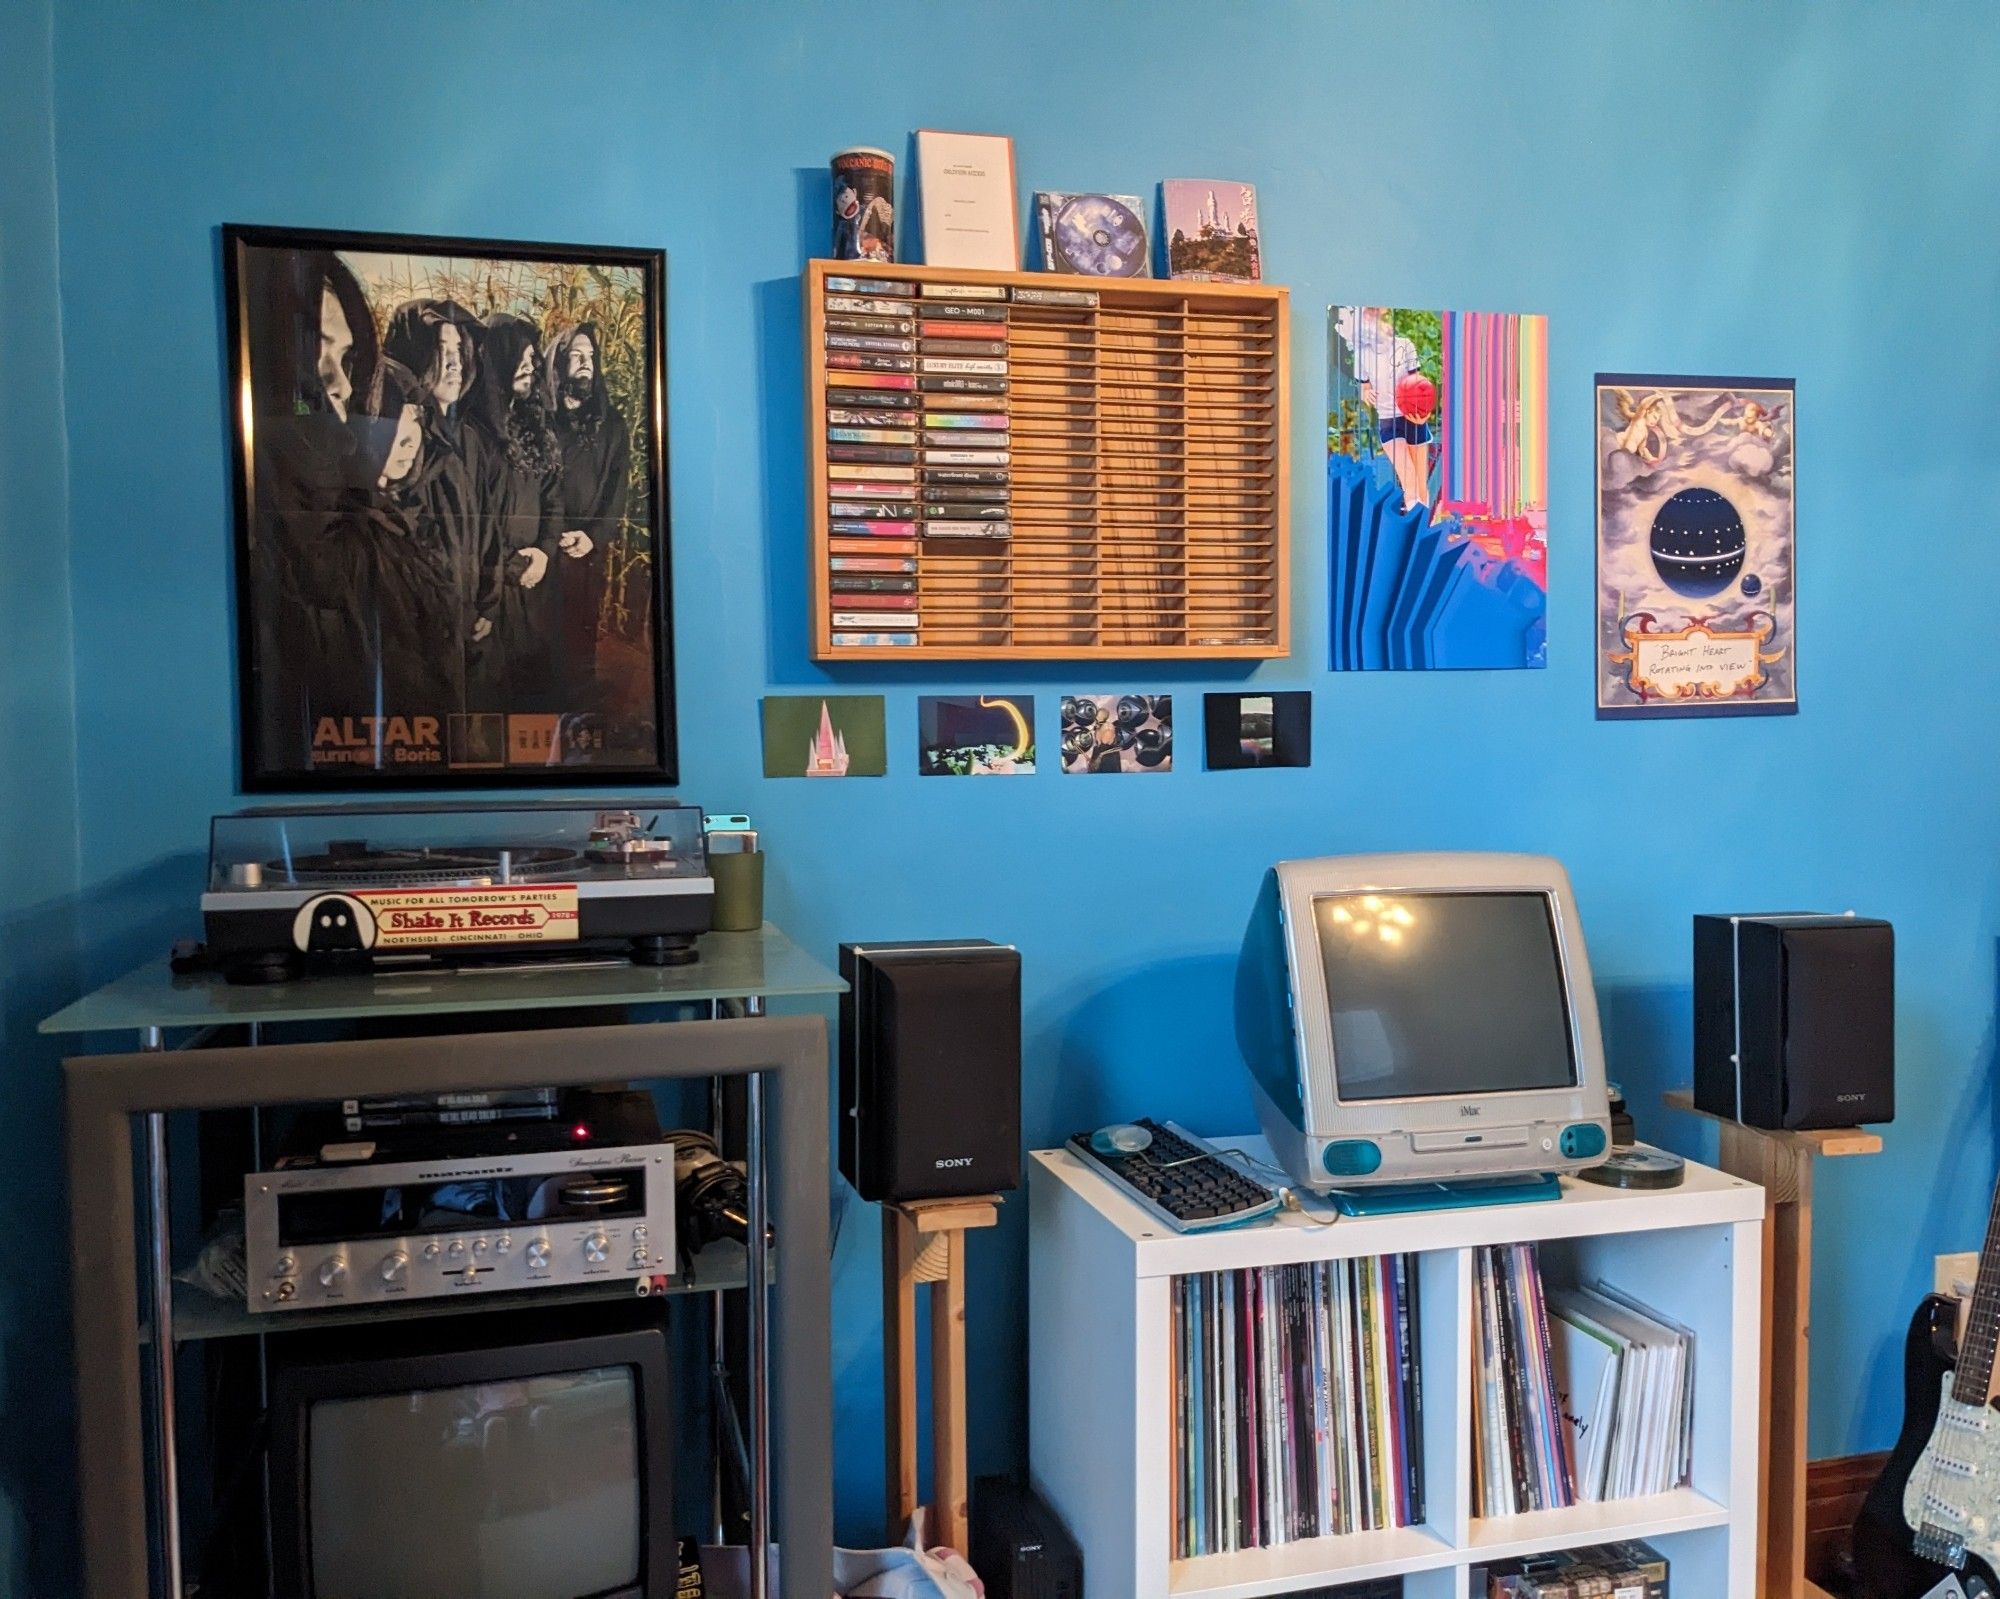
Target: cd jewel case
pixel 294 888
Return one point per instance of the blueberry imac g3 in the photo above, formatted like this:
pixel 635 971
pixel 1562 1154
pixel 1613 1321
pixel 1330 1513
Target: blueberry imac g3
pixel 1423 1020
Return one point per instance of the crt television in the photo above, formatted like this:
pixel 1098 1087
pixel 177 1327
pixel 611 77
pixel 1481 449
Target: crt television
pixel 1421 1018
pixel 530 1464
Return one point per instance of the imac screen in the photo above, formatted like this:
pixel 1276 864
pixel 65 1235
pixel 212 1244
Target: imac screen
pixel 526 1489
pixel 1444 994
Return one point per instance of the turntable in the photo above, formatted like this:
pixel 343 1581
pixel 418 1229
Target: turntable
pixel 296 888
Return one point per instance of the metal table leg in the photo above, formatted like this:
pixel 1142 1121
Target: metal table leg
pixel 757 1287
pixel 159 1254
pixel 724 1436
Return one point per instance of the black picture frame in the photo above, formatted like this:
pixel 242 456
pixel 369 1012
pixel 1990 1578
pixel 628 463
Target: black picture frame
pixel 636 749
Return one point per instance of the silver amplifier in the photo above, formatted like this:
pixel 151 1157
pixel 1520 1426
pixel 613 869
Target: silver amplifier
pixel 332 1233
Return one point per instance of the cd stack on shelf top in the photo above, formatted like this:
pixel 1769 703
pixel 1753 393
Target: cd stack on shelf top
pixel 871 453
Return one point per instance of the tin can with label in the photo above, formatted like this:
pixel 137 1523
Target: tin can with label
pixel 864 205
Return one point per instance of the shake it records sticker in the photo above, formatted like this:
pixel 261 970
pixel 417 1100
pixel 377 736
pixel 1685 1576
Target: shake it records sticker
pixel 426 918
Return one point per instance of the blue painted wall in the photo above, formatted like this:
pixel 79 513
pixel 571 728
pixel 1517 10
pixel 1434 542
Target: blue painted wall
pixel 38 867
pixel 1791 188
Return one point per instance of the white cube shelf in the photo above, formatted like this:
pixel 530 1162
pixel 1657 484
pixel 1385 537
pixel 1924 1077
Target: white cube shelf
pixel 1100 1388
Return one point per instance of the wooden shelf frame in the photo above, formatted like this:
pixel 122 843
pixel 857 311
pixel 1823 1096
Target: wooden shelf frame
pixel 1149 489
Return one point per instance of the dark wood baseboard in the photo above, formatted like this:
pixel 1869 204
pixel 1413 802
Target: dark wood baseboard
pixel 1834 1491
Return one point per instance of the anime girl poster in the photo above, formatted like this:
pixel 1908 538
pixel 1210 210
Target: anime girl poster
pixel 1437 488
pixel 1695 543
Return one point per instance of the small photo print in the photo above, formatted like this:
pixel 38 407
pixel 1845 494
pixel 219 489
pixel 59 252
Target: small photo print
pixel 1212 230
pixel 1252 730
pixel 976 735
pixel 835 735
pixel 1117 733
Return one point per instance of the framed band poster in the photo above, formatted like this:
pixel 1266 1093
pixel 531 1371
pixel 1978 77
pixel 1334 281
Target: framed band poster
pixel 452 541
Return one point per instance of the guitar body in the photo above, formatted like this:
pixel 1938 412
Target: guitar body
pixel 1885 1556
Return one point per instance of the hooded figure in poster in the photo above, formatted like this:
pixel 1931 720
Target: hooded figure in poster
pixel 385 555
pixel 518 669
pixel 310 338
pixel 437 341
pixel 596 449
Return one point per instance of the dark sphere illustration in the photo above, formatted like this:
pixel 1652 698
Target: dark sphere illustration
pixel 1698 543
pixel 1753 585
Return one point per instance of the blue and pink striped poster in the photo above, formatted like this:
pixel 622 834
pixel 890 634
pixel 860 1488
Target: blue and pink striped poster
pixel 1437 488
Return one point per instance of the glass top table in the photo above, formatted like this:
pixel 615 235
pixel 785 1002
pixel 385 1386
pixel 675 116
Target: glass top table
pixel 763 964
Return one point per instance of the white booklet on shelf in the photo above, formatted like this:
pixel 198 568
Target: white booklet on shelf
pixel 965 188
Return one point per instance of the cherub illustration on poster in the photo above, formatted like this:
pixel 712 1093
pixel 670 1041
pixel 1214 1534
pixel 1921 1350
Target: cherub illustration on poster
pixel 1695 545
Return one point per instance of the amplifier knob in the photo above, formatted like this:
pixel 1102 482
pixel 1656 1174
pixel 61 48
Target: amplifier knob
pixel 595 1248
pixel 479 1246
pixel 332 1272
pixel 538 1254
pixel 393 1266
pixel 432 1250
pixel 456 1249
pixel 284 1266
pixel 502 1244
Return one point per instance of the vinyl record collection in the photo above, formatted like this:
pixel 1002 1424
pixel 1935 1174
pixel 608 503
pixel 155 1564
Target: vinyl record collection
pixel 1579 1395
pixel 1628 1380
pixel 1521 1450
pixel 1298 1403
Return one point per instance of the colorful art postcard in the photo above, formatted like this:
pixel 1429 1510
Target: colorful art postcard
pixel 1212 230
pixel 1252 730
pixel 976 735
pixel 1117 733
pixel 1695 545
pixel 833 735
pixel 1437 488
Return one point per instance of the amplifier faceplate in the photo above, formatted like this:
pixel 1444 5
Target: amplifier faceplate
pixel 328 1235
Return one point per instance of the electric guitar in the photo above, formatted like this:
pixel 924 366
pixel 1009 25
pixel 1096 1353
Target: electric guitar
pixel 1935 1510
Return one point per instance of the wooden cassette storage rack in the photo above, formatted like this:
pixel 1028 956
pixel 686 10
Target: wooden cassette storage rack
pixel 1145 493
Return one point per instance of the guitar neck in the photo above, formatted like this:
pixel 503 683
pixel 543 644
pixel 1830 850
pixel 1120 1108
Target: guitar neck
pixel 1973 1379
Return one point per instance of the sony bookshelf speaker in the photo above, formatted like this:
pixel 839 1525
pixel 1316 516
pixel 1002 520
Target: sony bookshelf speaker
pixel 1795 1020
pixel 930 1069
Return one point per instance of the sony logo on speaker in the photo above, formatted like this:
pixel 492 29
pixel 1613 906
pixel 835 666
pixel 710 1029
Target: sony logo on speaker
pixel 962 1160
pixel 1848 1099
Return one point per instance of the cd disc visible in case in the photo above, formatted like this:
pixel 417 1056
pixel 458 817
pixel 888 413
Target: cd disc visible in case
pixel 1638 1167
pixel 1099 235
